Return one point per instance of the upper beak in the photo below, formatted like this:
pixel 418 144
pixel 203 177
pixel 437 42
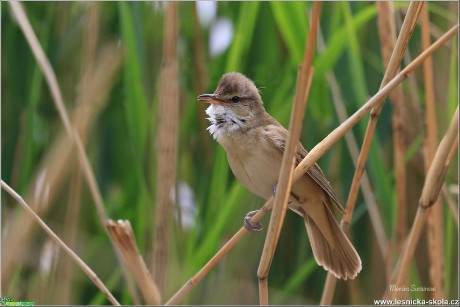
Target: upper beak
pixel 209 98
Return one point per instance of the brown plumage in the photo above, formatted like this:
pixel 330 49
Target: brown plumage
pixel 254 142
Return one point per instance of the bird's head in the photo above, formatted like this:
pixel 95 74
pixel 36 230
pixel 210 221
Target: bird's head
pixel 235 92
pixel 235 104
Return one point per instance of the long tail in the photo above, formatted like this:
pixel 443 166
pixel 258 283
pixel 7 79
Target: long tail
pixel 339 256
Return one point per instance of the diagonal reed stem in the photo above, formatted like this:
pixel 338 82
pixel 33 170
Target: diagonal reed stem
pixel 51 79
pixel 310 159
pixel 287 166
pixel 85 268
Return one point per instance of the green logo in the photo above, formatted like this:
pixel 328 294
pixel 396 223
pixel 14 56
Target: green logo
pixel 6 301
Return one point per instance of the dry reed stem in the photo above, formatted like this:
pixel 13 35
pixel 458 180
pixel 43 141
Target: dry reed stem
pixel 305 76
pixel 85 268
pixel 167 136
pixel 283 188
pixel 51 79
pixel 54 169
pixel 313 156
pixel 429 196
pixel 263 291
pixel 284 183
pixel 123 236
pixel 435 220
pixel 387 34
pixel 390 72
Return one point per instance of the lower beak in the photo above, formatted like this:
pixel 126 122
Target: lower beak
pixel 209 98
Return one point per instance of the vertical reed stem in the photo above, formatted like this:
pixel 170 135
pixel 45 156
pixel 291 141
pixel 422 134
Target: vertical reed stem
pixel 304 78
pixel 167 136
pixel 435 230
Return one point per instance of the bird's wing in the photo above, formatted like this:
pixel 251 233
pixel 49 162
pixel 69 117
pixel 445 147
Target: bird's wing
pixel 278 135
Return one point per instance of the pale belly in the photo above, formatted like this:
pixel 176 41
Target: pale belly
pixel 258 173
pixel 253 162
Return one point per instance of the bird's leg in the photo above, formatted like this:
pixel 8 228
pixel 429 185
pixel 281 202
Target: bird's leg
pixel 250 225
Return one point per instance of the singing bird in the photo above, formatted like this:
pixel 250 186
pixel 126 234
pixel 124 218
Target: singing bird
pixel 254 142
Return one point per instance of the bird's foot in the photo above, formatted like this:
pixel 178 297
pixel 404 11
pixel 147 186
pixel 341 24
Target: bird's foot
pixel 250 225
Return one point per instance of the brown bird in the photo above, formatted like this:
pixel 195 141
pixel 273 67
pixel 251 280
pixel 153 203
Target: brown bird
pixel 254 142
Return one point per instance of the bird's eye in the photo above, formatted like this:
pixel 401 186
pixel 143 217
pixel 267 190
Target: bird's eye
pixel 235 99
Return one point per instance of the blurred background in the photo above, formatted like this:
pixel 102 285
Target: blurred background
pixel 110 60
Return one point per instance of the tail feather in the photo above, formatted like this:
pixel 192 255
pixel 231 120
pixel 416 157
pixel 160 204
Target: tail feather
pixel 341 259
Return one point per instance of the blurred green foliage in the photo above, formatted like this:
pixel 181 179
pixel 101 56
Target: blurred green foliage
pixel 268 46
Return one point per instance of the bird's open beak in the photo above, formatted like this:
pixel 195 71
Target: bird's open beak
pixel 210 98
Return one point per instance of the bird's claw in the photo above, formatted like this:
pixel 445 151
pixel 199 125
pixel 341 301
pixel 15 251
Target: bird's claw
pixel 275 188
pixel 249 224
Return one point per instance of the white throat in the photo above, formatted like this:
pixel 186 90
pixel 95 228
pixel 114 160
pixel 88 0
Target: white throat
pixel 223 121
